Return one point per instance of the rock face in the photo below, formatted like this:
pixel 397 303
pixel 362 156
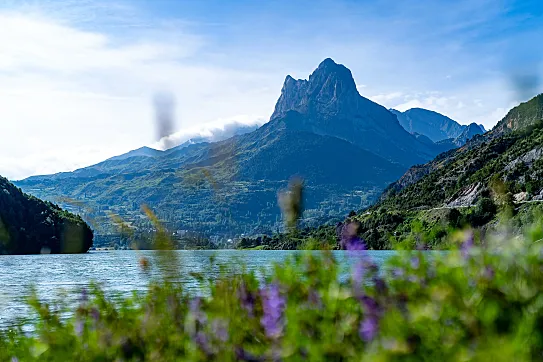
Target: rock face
pixel 329 104
pixel 468 133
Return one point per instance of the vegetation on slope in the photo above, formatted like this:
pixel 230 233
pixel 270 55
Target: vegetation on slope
pixel 472 304
pixel 31 226
pixel 501 170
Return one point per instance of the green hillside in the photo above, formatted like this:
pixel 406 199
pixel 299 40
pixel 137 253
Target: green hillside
pixel 500 171
pixel 31 226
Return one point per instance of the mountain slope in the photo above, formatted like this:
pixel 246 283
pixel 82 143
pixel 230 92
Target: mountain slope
pixel 140 152
pixel 436 126
pixel 433 125
pixel 345 147
pixel 468 133
pixel 332 106
pixel 501 167
pixel 31 226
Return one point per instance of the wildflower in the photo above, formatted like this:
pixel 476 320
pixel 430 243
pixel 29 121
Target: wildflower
pixel 203 342
pixel 220 329
pixel 247 298
pixel 370 305
pixel 380 285
pixel 196 311
pixel 354 244
pixel 415 262
pixel 273 305
pixel 314 299
pixel 349 237
pixel 488 272
pixel 398 273
pixel 467 244
pixel 79 327
pixel 95 314
pixel 369 328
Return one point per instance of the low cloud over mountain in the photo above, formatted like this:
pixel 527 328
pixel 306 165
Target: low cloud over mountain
pixel 212 132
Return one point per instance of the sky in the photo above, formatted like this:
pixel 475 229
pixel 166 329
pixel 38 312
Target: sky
pixel 79 78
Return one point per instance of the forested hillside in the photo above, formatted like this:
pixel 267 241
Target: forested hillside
pixel 31 226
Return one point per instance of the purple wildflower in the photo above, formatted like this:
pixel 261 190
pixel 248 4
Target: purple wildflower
pixel 398 273
pixel 349 239
pixel 467 244
pixel 370 305
pixel 354 244
pixel 14 359
pixel 369 328
pixel 247 298
pixel 358 272
pixel 273 305
pixel 380 285
pixel 314 299
pixel 195 309
pixel 203 342
pixel 79 327
pixel 95 314
pixel 415 262
pixel 220 329
pixel 489 272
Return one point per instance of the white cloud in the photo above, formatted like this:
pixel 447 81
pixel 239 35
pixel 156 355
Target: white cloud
pixel 212 131
pixel 385 99
pixel 65 91
pixel 77 77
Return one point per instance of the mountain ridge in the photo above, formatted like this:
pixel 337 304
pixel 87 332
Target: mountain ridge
pixel 346 147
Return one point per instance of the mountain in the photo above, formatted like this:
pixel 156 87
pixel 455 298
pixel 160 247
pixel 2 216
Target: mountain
pixel 468 133
pixel 140 152
pixel 215 134
pixel 329 104
pixel 346 148
pixel 436 127
pixel 31 226
pixel 503 167
pixel 521 116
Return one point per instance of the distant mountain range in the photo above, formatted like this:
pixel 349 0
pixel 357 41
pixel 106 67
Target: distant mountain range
pixel 346 148
pixel 436 126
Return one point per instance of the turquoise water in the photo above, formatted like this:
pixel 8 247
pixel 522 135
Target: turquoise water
pixel 64 276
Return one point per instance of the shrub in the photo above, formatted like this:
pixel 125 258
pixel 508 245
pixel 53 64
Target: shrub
pixel 474 303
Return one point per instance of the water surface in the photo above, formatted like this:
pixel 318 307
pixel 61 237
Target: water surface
pixel 121 272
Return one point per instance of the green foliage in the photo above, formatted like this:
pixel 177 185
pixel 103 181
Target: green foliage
pixel 477 304
pixel 31 226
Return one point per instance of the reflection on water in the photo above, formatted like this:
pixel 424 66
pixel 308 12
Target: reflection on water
pixel 120 272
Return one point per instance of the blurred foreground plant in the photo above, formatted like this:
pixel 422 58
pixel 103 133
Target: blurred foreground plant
pixel 472 304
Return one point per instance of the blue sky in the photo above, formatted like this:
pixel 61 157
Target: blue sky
pixel 77 77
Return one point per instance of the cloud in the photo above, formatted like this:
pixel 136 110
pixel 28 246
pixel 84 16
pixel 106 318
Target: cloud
pixel 386 98
pixel 80 75
pixel 65 91
pixel 212 131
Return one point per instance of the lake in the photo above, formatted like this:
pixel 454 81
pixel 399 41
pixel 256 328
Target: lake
pixel 121 272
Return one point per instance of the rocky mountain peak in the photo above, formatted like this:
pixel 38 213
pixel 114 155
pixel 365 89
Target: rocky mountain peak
pixel 330 89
